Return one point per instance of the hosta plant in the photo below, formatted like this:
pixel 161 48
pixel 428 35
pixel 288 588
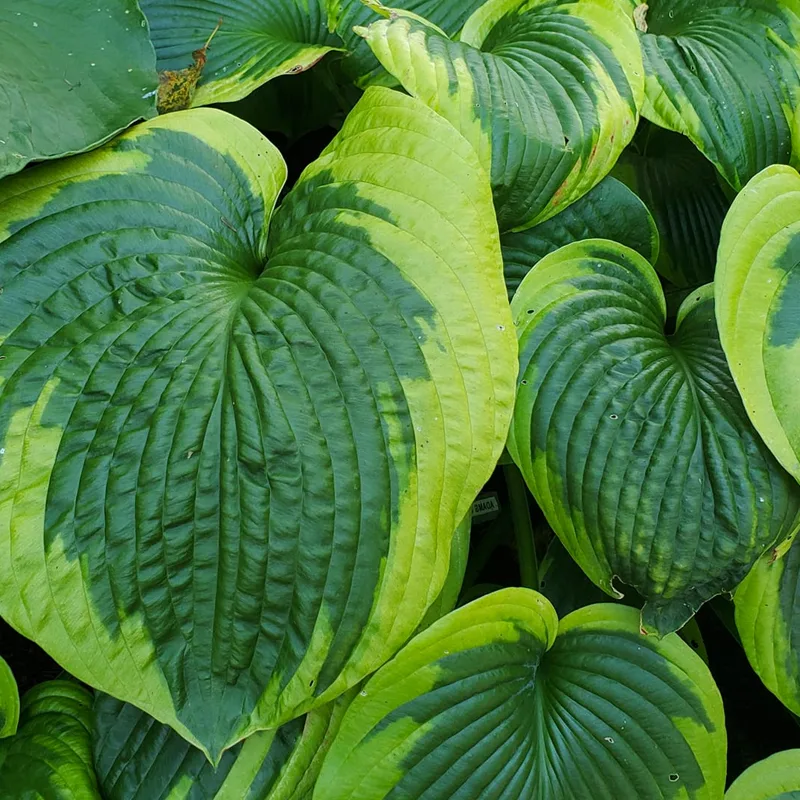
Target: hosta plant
pixel 399 400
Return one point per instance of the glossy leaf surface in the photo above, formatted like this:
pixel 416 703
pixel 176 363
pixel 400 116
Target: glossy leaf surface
pixel 725 73
pixel 681 188
pixel 768 620
pixel 50 758
pixel 546 92
pixel 256 41
pixel 251 451
pixel 609 211
pixel 138 758
pixel 9 701
pixel 346 15
pixel 72 75
pixel 758 306
pixel 774 778
pixel 636 444
pixel 499 700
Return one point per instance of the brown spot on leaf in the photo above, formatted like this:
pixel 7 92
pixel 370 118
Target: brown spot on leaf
pixel 176 87
pixel 640 17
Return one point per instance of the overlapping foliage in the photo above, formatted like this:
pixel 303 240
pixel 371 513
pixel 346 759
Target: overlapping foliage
pixel 243 423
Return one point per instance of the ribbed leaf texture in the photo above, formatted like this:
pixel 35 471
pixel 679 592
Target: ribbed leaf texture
pixel 725 73
pixel 499 701
pixel 50 758
pixel 232 463
pixel 635 443
pixel 609 211
pixel 684 192
pixel 252 43
pixel 547 93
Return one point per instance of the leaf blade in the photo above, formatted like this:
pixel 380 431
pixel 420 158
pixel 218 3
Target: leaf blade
pixel 351 355
pixel 51 755
pixel 497 701
pixel 618 430
pixel 511 86
pixel 73 77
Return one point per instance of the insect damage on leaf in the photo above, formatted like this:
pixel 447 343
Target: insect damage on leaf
pixel 176 88
pixel 640 17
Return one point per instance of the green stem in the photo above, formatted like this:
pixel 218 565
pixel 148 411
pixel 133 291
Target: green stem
pixel 523 530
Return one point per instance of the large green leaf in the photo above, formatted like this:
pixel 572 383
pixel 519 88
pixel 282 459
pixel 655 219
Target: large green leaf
pixel 9 701
pixel 232 463
pixel 72 75
pixel 51 756
pixel 345 15
pixel 137 758
pixel 758 306
pixel 497 700
pixel 726 73
pixel 546 92
pixel 682 189
pixel 774 778
pixel 636 444
pixel 768 620
pixel 255 42
pixel 609 211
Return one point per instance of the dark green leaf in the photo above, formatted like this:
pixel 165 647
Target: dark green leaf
pixel 498 701
pixel 73 73
pixel 636 444
pixel 548 94
pixel 235 446
pixel 138 758
pixel 726 73
pixel 256 41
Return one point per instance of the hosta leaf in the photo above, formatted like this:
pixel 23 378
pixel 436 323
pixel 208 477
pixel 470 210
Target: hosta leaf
pixel 497 700
pixel 137 758
pixel 726 73
pixel 774 778
pixel 681 188
pixel 9 701
pixel 256 42
pixel 609 211
pixel 51 756
pixel 546 92
pixel 634 443
pixel 232 465
pixel 758 301
pixel 768 620
pixel 360 63
pixel 72 75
